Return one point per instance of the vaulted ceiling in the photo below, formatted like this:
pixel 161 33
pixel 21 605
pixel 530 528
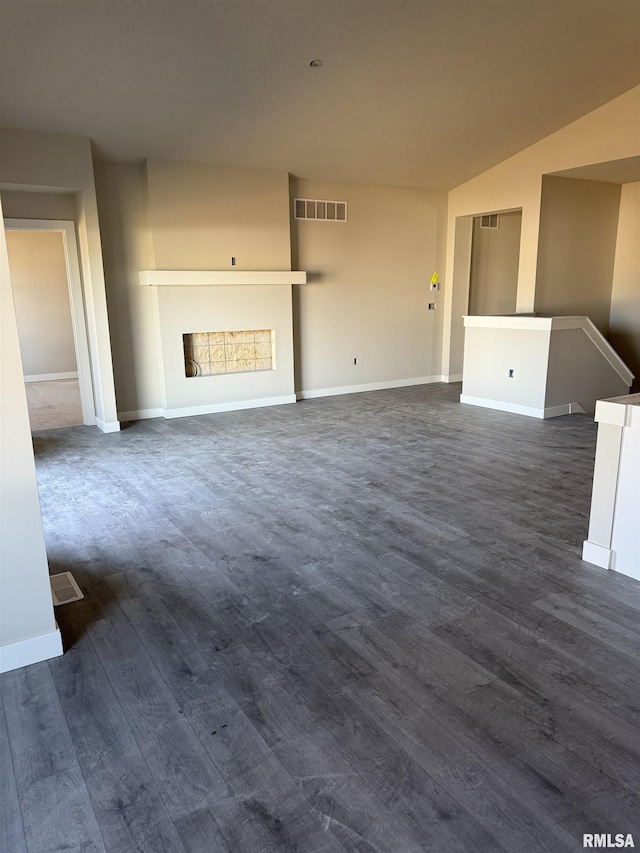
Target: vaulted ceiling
pixel 418 93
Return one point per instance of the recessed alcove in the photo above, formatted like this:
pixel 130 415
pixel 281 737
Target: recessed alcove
pixel 247 318
pixel 218 353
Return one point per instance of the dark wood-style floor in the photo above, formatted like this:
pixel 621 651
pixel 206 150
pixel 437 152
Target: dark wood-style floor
pixel 354 624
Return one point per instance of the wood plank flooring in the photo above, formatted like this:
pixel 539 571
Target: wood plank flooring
pixel 358 624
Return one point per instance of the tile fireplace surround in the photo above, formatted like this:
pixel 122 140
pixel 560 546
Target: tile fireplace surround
pixel 236 300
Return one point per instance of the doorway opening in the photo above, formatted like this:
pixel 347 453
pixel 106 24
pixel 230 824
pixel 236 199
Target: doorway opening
pixel 495 256
pixel 47 291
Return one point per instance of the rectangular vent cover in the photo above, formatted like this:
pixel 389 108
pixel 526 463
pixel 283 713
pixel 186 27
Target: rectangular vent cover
pixel 490 220
pixel 64 589
pixel 320 210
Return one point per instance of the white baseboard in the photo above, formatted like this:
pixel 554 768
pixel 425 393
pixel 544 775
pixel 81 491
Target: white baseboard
pixel 557 411
pixel 368 386
pixel 213 408
pixel 529 411
pixel 597 554
pixel 566 409
pixel 452 377
pixel 140 414
pixel 514 408
pixel 48 377
pixel 108 426
pixel 34 650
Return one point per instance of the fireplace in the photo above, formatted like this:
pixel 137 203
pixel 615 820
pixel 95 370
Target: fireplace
pixel 225 338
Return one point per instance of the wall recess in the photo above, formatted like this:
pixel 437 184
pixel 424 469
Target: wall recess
pixel 217 353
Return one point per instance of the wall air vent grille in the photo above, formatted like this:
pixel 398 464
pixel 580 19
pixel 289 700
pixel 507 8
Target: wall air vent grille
pixel 490 220
pixel 320 210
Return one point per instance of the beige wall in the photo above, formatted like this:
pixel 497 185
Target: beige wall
pixel 576 248
pixel 495 254
pixel 26 610
pixel 219 309
pixel 63 164
pixel 608 133
pixel 624 320
pixel 368 278
pixel 489 355
pixel 121 192
pixel 41 297
pixel 35 205
pixel 168 215
pixel 202 215
pixel 368 287
pixel 538 366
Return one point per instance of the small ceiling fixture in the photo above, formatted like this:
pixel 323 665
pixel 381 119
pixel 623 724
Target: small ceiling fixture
pixel 316 63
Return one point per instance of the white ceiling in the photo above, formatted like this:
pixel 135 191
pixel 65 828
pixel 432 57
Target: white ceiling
pixel 422 93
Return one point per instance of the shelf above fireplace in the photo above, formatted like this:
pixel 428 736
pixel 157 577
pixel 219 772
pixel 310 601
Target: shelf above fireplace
pixel 221 278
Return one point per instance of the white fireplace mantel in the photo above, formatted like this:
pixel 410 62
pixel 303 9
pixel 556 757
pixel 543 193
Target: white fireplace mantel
pixel 189 278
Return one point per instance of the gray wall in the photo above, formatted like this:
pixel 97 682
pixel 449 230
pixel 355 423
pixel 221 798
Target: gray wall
pixel 576 249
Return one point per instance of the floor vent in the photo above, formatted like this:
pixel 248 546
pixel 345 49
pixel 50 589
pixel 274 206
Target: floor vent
pixel 320 210
pixel 64 589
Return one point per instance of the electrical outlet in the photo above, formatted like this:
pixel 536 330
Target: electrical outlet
pixel 233 260
pixel 432 306
pixel 355 361
pixel 434 286
pixel 510 373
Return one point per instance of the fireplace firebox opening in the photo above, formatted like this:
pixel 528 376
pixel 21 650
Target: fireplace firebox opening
pixel 218 353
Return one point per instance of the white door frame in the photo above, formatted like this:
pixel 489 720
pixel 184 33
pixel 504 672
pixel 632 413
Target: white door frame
pixel 76 302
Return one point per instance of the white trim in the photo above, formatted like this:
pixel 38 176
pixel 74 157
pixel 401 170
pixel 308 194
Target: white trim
pixel 108 426
pixel 501 406
pixel 565 409
pixel 599 341
pixel 369 386
pixel 50 377
pixel 33 650
pixel 517 409
pixel 557 411
pixel 614 410
pixel 76 303
pixel 213 408
pixel 597 554
pixel 452 377
pixel 176 278
pixel 570 321
pixel 140 414
pixel 512 321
